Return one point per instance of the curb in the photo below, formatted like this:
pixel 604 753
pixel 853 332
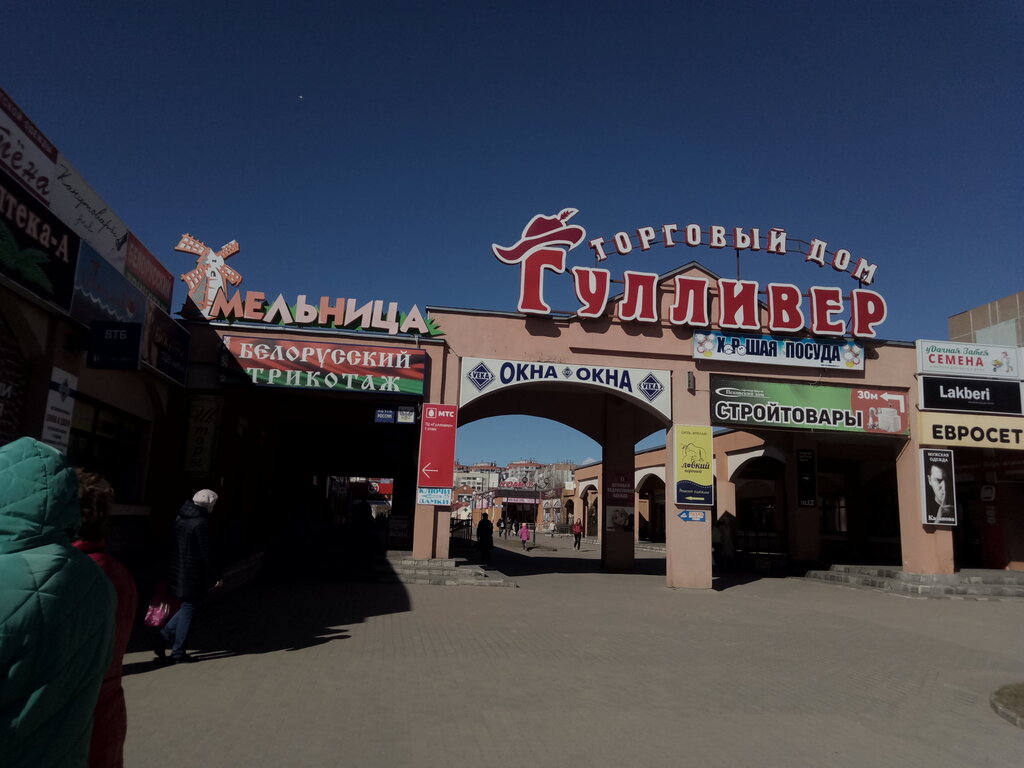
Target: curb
pixel 1008 714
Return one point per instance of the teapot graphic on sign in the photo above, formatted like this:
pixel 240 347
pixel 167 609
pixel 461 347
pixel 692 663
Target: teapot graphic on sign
pixel 885 419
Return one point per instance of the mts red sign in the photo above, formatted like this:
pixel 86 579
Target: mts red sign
pixel 437 446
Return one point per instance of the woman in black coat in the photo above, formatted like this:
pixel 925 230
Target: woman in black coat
pixel 191 570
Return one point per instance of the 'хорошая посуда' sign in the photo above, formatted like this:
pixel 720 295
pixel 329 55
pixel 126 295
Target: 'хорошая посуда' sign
pixel 546 240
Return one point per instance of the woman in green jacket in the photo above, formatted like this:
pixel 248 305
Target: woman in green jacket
pixel 56 613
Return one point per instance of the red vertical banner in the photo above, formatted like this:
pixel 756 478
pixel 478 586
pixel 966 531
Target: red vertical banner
pixel 436 471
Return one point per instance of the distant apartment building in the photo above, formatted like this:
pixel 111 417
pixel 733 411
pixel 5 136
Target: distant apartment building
pixel 479 477
pixel 521 474
pixel 462 502
pixel 523 491
pixel 998 322
pixel 555 476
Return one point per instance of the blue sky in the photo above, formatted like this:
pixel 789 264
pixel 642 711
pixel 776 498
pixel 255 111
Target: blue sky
pixel 376 150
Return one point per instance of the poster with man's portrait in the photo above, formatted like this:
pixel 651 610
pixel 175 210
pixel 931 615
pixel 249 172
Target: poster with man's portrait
pixel 938 487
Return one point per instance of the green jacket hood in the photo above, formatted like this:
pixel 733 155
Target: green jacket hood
pixel 38 496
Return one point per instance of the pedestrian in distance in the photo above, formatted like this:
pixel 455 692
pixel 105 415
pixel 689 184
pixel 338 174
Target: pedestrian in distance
pixel 485 537
pixel 110 718
pixel 191 571
pixel 501 527
pixel 56 613
pixel 524 535
pixel 577 533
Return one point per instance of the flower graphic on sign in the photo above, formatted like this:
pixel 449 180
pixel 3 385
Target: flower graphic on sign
pixel 542 246
pixel 705 344
pixel 211 272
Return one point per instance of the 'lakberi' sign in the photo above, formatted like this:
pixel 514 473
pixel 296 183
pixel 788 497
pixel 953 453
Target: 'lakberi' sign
pixel 779 350
pixel 207 290
pixel 546 240
pixel 650 388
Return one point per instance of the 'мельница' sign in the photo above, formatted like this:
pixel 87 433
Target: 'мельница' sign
pixel 208 294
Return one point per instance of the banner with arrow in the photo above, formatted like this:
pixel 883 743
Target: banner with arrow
pixel 795 405
pixel 436 469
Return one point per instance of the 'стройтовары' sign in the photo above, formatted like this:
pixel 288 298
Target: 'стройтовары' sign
pixel 795 405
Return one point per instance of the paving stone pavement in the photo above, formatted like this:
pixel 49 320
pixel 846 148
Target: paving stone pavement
pixel 579 667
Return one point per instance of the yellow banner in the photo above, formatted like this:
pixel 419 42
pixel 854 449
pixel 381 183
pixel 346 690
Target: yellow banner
pixel 971 430
pixel 695 478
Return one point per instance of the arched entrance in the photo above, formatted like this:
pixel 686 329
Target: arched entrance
pixel 761 519
pixel 567 394
pixel 814 504
pixel 651 512
pixel 588 496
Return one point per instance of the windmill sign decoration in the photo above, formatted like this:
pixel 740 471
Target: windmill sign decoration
pixel 208 293
pixel 211 271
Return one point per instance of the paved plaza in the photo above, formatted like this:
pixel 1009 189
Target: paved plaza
pixel 581 668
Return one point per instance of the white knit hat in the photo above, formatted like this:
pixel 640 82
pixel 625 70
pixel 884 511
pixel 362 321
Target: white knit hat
pixel 205 498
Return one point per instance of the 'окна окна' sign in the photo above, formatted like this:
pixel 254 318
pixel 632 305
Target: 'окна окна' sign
pixel 546 240
pixel 650 388
pixel 207 291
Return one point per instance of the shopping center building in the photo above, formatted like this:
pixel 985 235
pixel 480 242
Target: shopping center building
pixel 781 406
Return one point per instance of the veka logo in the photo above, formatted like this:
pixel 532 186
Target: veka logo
pixel 481 376
pixel 211 272
pixel 650 387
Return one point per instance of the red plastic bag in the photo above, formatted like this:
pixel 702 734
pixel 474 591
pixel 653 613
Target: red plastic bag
pixel 161 607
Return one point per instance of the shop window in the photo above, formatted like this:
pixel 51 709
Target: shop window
pixel 757 514
pixel 884 514
pixel 755 526
pixel 833 514
pixel 111 443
